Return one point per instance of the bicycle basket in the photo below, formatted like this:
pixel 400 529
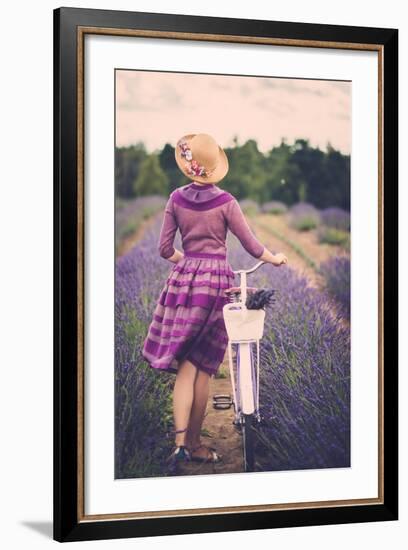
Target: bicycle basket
pixel 242 323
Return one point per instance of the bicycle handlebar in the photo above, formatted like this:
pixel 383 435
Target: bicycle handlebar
pixel 251 270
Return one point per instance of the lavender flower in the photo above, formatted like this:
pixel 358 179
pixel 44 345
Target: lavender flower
pixel 130 215
pixel 143 413
pixel 248 206
pixel 336 271
pixel 336 217
pixel 304 216
pixel 274 207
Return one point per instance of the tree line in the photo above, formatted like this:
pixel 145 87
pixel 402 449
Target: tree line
pixel 288 172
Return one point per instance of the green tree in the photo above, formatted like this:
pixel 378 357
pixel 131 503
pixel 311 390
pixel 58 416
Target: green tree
pixel 309 161
pixel 127 163
pixel 284 179
pixel 336 168
pixel 169 166
pixel 246 175
pixel 152 180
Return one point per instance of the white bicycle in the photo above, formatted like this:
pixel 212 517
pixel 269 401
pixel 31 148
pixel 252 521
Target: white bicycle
pixel 245 329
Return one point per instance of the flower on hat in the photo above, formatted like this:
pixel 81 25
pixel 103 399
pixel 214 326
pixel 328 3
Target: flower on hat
pixel 185 150
pixel 192 167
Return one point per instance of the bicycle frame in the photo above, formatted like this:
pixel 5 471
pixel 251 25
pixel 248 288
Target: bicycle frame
pixel 247 375
pixel 248 401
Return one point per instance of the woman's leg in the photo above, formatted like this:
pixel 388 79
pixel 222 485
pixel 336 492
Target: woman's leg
pixel 201 392
pixel 183 394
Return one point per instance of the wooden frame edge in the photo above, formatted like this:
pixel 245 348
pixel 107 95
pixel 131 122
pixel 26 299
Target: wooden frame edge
pixel 81 32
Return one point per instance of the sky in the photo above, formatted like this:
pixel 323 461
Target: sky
pixel 158 107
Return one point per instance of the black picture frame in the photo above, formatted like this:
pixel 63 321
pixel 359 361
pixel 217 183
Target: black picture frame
pixel 69 523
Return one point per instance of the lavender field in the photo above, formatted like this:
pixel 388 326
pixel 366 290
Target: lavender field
pixel 305 370
pixel 142 398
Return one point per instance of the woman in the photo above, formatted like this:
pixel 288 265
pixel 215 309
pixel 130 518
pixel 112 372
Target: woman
pixel 187 335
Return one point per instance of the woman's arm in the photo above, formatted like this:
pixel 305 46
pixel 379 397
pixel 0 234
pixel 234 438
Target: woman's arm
pixel 167 234
pixel 239 226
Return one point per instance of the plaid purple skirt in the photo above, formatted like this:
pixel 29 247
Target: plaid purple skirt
pixel 188 322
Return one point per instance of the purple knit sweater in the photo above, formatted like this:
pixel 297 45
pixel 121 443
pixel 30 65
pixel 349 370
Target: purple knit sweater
pixel 203 214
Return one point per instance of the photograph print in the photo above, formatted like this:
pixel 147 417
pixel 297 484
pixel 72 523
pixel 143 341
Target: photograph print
pixel 232 274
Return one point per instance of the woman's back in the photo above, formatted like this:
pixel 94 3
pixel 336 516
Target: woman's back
pixel 203 214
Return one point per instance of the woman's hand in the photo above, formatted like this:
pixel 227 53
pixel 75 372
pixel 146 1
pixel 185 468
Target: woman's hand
pixel 176 257
pixel 279 259
pixel 275 259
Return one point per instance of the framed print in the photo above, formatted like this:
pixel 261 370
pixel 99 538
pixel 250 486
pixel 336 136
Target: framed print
pixel 225 274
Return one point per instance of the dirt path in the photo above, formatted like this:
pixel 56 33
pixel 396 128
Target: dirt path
pixel 294 260
pixel 307 240
pixel 271 227
pixel 265 225
pixel 220 433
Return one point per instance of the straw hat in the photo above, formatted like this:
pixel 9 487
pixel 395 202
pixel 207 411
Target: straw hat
pixel 200 158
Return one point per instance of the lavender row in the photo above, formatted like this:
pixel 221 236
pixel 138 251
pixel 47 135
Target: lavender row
pixel 337 274
pixel 142 398
pixel 130 214
pixel 305 374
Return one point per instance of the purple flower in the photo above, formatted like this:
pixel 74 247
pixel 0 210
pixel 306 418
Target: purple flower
pixel 336 217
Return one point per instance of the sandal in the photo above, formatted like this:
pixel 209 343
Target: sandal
pixel 179 452
pixel 212 456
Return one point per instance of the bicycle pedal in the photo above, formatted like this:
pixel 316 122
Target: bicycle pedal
pixel 222 402
pixel 221 396
pixel 222 405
